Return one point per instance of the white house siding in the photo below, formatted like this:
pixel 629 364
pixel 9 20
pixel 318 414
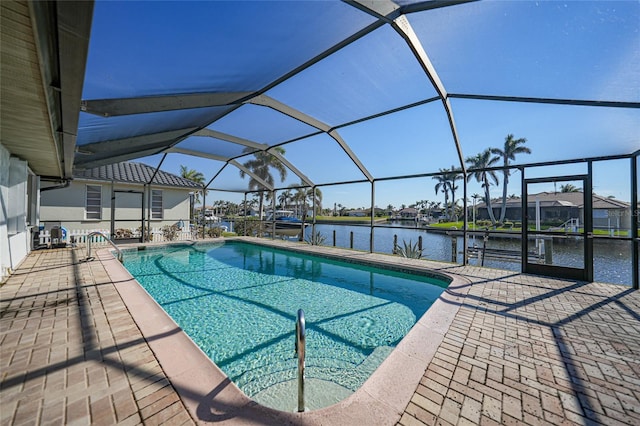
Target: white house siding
pixel 15 232
pixel 612 219
pixel 66 206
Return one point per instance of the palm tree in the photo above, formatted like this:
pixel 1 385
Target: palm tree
pixel 194 176
pixel 233 208
pixel 191 174
pixel 312 196
pixel 284 198
pixel 508 152
pixel 475 197
pixel 247 205
pixel 452 176
pixel 299 197
pixel 477 166
pixel 432 205
pixel 569 188
pixel 421 205
pixel 197 177
pixel 261 167
pixel 443 184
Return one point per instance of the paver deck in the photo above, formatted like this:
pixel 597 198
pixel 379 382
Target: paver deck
pixel 520 350
pixel 70 352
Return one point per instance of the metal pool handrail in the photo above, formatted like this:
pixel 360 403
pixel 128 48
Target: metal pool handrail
pixel 102 234
pixel 300 353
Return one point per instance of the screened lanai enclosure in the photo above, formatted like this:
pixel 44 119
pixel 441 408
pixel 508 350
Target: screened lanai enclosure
pixel 498 133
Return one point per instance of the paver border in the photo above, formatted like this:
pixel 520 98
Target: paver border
pixel 210 396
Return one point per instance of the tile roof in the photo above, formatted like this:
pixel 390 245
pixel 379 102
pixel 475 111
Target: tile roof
pixel 561 199
pixel 131 172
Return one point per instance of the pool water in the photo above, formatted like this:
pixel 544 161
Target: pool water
pixel 238 303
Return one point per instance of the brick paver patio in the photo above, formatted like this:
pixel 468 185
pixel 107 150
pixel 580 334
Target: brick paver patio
pixel 537 351
pixel 521 350
pixel 70 353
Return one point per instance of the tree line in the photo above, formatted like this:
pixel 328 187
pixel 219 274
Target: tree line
pixel 478 165
pixel 263 162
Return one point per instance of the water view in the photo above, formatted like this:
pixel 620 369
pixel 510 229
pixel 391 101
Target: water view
pixel 611 259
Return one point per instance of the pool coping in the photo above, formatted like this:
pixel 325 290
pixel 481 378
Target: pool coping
pixel 211 397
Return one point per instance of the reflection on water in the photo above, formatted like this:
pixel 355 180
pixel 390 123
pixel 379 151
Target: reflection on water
pixel 611 259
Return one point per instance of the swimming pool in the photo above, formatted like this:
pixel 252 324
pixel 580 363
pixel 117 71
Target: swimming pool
pixel 238 302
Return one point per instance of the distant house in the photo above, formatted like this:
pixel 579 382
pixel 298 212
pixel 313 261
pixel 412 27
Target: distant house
pixel 559 207
pixel 94 194
pixel 376 212
pixel 408 213
pixel 366 212
pixel 609 213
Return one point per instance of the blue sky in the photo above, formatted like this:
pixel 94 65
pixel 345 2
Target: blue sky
pixel 570 50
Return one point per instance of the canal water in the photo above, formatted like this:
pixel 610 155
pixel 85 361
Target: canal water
pixel 611 259
pixel 611 263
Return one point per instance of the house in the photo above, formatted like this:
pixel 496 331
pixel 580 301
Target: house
pixel 377 212
pixel 117 196
pixel 556 208
pixel 408 213
pixel 609 213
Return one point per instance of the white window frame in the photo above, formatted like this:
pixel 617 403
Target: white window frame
pixel 91 212
pixel 157 207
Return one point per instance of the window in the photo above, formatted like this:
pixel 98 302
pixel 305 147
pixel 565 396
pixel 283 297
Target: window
pixel 156 204
pixel 93 208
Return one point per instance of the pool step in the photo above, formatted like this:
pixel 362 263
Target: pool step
pixel 331 367
pixel 318 394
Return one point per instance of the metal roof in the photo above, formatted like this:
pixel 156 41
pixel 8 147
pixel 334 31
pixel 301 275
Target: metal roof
pixel 132 172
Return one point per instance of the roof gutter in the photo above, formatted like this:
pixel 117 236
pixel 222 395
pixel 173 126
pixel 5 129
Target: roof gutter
pixel 64 184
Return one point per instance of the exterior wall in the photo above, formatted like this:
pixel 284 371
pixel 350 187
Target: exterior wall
pixel 482 213
pixel 612 219
pixel 66 206
pixel 15 232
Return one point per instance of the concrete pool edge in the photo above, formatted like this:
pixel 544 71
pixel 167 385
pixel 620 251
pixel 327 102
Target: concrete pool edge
pixel 211 397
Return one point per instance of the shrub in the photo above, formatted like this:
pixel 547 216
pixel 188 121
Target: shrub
pixel 408 250
pixel 170 232
pixel 250 228
pixel 146 235
pixel 316 239
pixel 123 233
pixel 553 222
pixel 214 232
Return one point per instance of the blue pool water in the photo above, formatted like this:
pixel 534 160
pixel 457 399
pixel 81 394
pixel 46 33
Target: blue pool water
pixel 238 303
